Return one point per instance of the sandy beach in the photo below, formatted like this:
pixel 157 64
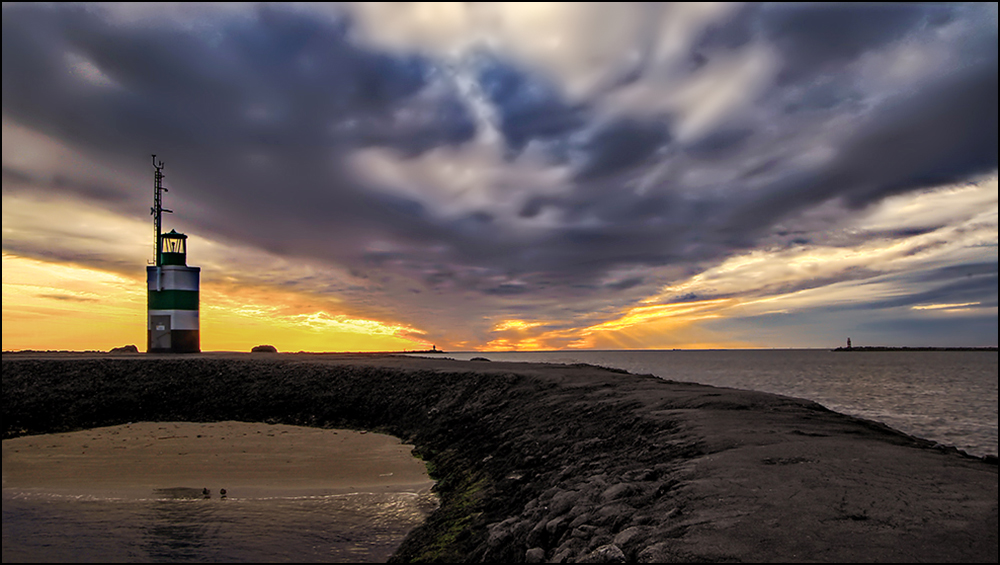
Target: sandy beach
pixel 244 458
pixel 562 463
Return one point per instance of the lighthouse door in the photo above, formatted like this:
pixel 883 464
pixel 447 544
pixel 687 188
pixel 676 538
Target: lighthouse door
pixel 159 332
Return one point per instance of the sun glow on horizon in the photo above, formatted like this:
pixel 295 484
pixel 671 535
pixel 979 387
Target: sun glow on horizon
pixel 234 320
pixel 50 306
pixel 660 326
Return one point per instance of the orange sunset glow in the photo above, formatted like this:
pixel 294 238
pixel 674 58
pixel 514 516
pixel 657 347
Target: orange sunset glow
pixel 86 309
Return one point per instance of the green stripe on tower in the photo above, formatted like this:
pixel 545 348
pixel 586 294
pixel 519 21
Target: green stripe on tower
pixel 173 300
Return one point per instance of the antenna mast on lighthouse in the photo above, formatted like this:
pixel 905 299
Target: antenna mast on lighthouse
pixel 157 210
pixel 172 287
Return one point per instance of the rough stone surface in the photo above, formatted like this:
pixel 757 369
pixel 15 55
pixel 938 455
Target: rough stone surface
pixel 534 555
pixel 610 553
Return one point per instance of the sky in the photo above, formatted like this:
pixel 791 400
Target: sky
pixel 369 177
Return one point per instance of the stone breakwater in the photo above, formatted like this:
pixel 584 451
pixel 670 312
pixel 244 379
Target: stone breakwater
pixel 568 463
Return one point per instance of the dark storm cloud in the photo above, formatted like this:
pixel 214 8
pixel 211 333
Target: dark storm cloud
pixel 258 113
pixel 820 38
pixel 625 284
pixel 621 145
pixel 529 106
pixel 943 134
pixel 958 284
pixel 940 137
pixel 719 144
pixel 180 87
pixel 813 37
pixel 951 272
pixel 21 181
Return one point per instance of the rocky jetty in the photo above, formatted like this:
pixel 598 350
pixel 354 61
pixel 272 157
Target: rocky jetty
pixel 568 463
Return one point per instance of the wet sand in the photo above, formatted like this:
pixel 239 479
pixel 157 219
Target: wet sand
pixel 569 463
pixel 246 459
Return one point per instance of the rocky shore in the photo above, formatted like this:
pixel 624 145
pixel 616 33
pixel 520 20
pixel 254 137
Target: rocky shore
pixel 567 463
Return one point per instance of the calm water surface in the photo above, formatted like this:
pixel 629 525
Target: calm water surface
pixel 352 528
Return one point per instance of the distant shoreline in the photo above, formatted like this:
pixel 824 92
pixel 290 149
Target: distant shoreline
pixel 886 348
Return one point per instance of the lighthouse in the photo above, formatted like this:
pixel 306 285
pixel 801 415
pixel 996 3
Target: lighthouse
pixel 173 296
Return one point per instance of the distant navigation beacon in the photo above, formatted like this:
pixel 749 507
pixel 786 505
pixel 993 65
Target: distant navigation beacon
pixel 172 324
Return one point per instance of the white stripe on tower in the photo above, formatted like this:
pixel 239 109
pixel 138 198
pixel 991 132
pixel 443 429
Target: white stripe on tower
pixel 179 319
pixel 174 277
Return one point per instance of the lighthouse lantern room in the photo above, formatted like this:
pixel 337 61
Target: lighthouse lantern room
pixel 172 321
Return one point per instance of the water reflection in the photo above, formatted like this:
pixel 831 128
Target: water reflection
pixel 179 528
pixel 181 525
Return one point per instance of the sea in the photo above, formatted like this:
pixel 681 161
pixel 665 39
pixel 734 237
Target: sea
pixel 949 397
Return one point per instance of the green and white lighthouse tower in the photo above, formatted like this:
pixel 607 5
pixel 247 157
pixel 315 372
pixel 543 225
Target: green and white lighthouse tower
pixel 172 322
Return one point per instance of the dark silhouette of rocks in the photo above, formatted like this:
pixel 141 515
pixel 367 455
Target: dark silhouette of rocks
pixel 264 349
pixel 125 349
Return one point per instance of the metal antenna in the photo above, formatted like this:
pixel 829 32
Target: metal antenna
pixel 158 209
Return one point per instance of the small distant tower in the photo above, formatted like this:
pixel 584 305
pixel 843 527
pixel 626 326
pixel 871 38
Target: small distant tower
pixel 172 323
pixel 849 343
